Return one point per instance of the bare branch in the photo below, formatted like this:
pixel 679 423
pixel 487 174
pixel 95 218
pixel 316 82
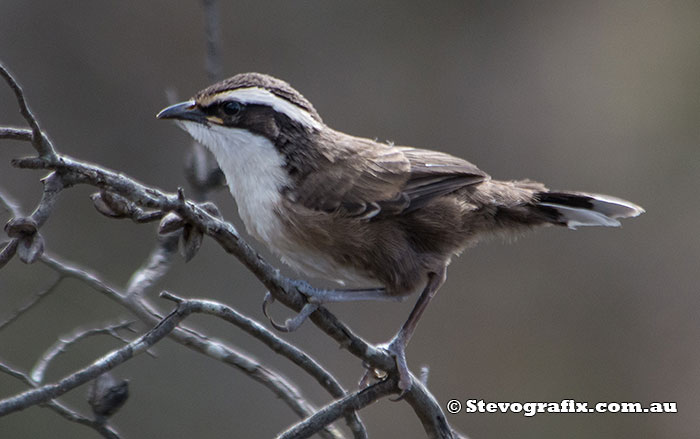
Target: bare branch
pixel 33 301
pixel 69 414
pixel 4 368
pixel 16 134
pixel 103 429
pixel 62 344
pixel 8 252
pixel 53 185
pixel 100 366
pixel 68 270
pixel 41 143
pixel 31 246
pixel 10 205
pixel 279 385
pixel 78 172
pixel 116 206
pixel 156 266
pixel 428 410
pixel 336 409
pixel 287 350
pixel 10 248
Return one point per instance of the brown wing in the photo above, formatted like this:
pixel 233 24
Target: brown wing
pixel 375 180
pixel 434 174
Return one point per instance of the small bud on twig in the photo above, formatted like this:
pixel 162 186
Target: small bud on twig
pixel 20 227
pixel 211 209
pixel 30 244
pixel 30 248
pixel 170 223
pixel 107 395
pixel 191 242
pixel 111 204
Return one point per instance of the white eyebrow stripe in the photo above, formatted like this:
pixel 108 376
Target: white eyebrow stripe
pixel 260 96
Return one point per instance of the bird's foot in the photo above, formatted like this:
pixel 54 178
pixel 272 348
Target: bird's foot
pixel 293 323
pixel 316 297
pixel 397 349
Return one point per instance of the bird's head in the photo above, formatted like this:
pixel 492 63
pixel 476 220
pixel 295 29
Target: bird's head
pixel 253 102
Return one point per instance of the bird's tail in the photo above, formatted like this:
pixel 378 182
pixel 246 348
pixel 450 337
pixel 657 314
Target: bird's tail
pixel 574 209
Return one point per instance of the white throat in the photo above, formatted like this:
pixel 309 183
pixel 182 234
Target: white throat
pixel 254 171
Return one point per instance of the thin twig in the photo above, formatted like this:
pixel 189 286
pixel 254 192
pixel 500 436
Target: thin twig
pixel 10 248
pixel 39 140
pixel 66 269
pixel 11 371
pixel 156 266
pixel 33 301
pixel 62 344
pixel 11 205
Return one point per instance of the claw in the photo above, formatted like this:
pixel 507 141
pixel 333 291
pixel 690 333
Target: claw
pixel 267 301
pixel 293 323
pixel 397 349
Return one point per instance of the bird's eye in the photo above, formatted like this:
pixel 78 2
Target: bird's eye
pixel 231 108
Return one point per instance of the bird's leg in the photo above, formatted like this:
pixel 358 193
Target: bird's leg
pixel 397 345
pixel 316 297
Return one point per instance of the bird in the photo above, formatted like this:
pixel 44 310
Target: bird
pixel 381 218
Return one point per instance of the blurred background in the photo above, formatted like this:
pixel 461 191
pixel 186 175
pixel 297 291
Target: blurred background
pixel 601 96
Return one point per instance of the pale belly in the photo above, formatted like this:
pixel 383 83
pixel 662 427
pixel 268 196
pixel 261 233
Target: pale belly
pixel 306 261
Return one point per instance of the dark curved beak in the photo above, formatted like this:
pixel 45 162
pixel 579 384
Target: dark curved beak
pixel 187 110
